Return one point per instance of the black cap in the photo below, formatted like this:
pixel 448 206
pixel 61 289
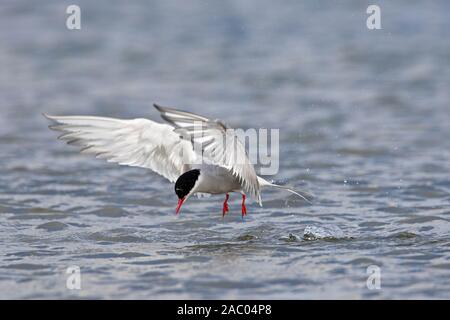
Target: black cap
pixel 186 182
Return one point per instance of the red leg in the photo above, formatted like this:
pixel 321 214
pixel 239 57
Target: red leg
pixel 225 205
pixel 244 209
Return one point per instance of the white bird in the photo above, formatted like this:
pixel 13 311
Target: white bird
pixel 199 154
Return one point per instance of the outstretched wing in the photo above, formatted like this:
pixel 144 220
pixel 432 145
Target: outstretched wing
pixel 218 145
pixel 137 142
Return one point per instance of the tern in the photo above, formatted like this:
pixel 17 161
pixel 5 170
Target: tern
pixel 188 150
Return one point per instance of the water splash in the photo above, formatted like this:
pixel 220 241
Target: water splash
pixel 323 232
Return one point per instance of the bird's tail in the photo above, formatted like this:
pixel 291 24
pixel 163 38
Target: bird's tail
pixel 302 194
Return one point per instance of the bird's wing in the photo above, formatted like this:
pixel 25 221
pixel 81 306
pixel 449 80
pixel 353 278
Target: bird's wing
pixel 137 142
pixel 218 145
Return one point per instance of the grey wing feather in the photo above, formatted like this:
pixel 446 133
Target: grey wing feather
pixel 218 143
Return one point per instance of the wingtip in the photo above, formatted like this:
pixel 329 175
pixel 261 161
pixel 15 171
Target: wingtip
pixel 51 118
pixel 158 107
pixel 162 109
pixel 47 116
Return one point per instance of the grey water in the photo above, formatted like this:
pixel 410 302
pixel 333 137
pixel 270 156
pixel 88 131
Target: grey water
pixel 364 119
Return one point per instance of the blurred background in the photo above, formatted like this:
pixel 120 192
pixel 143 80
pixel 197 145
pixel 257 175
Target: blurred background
pixel 364 125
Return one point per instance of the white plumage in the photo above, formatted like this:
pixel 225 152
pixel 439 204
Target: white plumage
pixel 138 142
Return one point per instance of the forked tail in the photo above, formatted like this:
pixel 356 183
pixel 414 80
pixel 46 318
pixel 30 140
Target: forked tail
pixel 302 194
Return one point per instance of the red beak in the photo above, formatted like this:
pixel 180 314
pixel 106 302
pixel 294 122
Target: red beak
pixel 180 202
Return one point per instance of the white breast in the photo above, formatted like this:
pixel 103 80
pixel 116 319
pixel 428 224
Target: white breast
pixel 216 180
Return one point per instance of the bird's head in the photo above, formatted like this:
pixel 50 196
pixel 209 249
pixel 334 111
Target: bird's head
pixel 185 185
